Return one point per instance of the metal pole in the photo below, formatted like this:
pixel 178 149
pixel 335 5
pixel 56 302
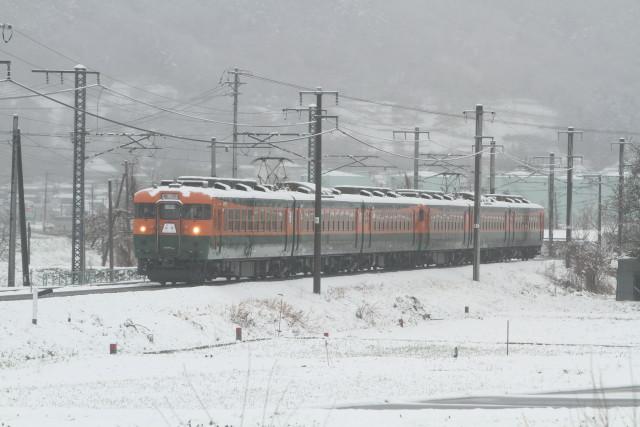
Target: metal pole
pixel 44 209
pixel 477 196
pixel 552 178
pixel 24 239
pixel 570 131
pixel 234 151
pixel 620 194
pixel 77 225
pixel 599 210
pixel 126 186
pixel 213 157
pixel 311 145
pixel 492 168
pixel 110 241
pixel 416 155
pixel 317 231
pixel 11 276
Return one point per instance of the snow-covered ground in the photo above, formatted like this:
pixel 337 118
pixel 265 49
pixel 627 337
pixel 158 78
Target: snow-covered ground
pixel 60 373
pixel 47 251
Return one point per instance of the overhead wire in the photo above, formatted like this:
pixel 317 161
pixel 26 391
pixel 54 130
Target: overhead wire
pixel 437 112
pixel 391 153
pixel 204 119
pixel 158 133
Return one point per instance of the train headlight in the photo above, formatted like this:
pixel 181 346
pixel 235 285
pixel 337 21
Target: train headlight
pixel 196 230
pixel 143 228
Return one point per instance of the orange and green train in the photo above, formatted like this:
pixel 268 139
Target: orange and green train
pixel 198 228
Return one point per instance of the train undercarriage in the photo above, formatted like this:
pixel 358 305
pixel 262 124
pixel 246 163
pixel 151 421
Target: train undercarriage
pixel 173 271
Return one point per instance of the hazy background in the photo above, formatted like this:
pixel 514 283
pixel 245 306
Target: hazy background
pixel 574 62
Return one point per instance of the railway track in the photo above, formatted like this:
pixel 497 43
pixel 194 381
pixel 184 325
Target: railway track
pixel 19 294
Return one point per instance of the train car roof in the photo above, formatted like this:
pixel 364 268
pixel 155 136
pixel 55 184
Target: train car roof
pixel 249 189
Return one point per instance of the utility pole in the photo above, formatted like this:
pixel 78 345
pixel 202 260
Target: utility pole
pixel 568 229
pixel 44 202
pixel 24 239
pixel 310 144
pixel 492 167
pixel 213 157
pixel 110 239
pixel 93 198
pixel 79 133
pixel 477 196
pixel 416 151
pixel 235 84
pixel 11 277
pixel 317 221
pixel 621 143
pixel 551 199
pixel 599 223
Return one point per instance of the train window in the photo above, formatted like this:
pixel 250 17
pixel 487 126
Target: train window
pixel 267 220
pixel 145 210
pixel 169 211
pixel 243 220
pixel 196 211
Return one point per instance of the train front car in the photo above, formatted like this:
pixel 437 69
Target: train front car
pixel 172 231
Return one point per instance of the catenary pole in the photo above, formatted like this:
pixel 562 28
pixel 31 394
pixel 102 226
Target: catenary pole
pixel 317 220
pixel 477 197
pixel 599 210
pixel 552 196
pixel 44 202
pixel 110 238
pixel 311 152
pixel 568 232
pixel 79 73
pixel 234 151
pixel 24 239
pixel 621 143
pixel 213 157
pixel 416 151
pixel 492 167
pixel 11 276
pixel 568 227
pixel 317 179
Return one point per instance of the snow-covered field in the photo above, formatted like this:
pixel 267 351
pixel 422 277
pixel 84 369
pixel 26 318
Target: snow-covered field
pixel 47 251
pixel 60 373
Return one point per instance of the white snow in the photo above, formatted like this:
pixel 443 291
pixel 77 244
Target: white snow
pixel 60 373
pixel 47 251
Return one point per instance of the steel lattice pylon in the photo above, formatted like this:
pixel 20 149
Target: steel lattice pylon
pixel 77 221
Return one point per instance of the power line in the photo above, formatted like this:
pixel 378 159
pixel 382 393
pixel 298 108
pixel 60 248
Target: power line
pixel 204 119
pixel 401 155
pixel 440 113
pixel 157 133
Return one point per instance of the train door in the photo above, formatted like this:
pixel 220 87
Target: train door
pixel 295 226
pixel 357 226
pixel 218 224
pixel 506 228
pixel 512 226
pixel 365 230
pixel 169 228
pixel 426 229
pixel 465 229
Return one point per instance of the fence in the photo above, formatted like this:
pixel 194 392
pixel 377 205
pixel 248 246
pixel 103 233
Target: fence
pixel 62 277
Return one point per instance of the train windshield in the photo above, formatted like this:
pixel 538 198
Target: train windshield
pixel 169 211
pixel 145 210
